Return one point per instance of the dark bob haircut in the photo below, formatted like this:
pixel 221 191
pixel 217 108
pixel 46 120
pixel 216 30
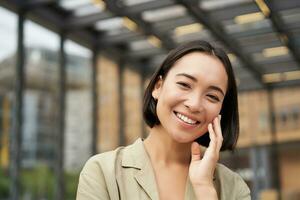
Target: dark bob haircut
pixel 229 110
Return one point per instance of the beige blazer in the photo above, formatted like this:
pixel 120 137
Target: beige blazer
pixel 126 173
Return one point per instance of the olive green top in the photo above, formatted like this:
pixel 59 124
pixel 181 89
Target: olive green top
pixel 126 173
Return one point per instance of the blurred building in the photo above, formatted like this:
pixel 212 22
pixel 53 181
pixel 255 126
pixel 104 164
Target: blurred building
pixel 40 110
pixel 73 73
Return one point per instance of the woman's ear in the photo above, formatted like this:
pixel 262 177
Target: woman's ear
pixel 157 88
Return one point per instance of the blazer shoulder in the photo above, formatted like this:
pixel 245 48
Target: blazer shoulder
pixel 104 161
pixel 224 172
pixel 97 178
pixel 232 182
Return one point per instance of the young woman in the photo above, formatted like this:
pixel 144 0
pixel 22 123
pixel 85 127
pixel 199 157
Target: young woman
pixel 183 105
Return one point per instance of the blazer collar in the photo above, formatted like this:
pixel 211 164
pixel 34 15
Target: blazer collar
pixel 135 156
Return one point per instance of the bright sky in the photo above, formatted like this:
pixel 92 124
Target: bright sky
pixel 35 36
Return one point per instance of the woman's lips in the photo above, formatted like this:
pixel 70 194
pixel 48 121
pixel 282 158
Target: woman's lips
pixel 186 121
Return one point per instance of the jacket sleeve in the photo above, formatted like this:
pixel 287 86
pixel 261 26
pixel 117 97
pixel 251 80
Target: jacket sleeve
pixel 92 185
pixel 243 191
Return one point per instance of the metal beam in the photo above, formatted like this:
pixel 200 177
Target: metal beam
pixel 60 183
pixel 232 11
pixel 74 22
pixel 143 66
pixel 48 18
pixel 170 24
pixel 118 39
pixel 11 5
pixel 122 114
pixel 284 35
pixel 95 107
pixel 33 4
pixel 16 134
pixel 251 33
pixel 147 28
pixel 274 171
pixel 150 5
pixel 284 5
pixel 219 33
pixel 53 19
pixel 28 4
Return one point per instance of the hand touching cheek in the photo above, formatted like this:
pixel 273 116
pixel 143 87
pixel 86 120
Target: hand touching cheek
pixel 202 169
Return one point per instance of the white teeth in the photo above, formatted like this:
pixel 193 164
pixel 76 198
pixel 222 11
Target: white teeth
pixel 185 119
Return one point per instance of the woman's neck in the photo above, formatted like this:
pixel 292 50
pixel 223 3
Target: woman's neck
pixel 164 150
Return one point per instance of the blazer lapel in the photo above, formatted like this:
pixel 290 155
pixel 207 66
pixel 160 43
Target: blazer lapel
pixel 146 179
pixel 137 157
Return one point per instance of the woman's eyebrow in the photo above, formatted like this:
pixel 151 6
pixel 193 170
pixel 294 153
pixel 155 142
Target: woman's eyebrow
pixel 188 76
pixel 212 87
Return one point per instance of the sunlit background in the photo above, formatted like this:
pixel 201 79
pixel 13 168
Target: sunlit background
pixel 73 73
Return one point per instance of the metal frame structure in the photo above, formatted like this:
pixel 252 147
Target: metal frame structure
pixel 249 70
pixel 61 120
pixel 95 107
pixel 122 114
pixel 219 27
pixel 16 138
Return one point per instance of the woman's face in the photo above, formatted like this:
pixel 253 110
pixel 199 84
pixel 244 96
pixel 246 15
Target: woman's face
pixel 190 96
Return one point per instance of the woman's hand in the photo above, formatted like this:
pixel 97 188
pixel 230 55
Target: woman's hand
pixel 201 170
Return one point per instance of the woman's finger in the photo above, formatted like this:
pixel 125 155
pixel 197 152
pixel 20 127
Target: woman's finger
pixel 218 131
pixel 195 151
pixel 212 135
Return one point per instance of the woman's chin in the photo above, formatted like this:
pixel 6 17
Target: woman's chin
pixel 182 139
pixel 186 138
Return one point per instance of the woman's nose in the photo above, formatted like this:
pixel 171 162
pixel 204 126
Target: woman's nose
pixel 195 104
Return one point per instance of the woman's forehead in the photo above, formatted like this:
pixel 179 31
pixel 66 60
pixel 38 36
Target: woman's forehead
pixel 199 62
pixel 204 68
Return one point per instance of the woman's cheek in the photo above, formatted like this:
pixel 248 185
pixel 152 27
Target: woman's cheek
pixel 214 111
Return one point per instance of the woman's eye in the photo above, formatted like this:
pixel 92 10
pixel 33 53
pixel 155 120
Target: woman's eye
pixel 184 85
pixel 213 97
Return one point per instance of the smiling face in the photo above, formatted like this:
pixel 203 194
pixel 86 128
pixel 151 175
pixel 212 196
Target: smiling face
pixel 190 96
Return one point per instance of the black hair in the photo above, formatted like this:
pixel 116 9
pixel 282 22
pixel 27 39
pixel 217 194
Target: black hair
pixel 229 110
